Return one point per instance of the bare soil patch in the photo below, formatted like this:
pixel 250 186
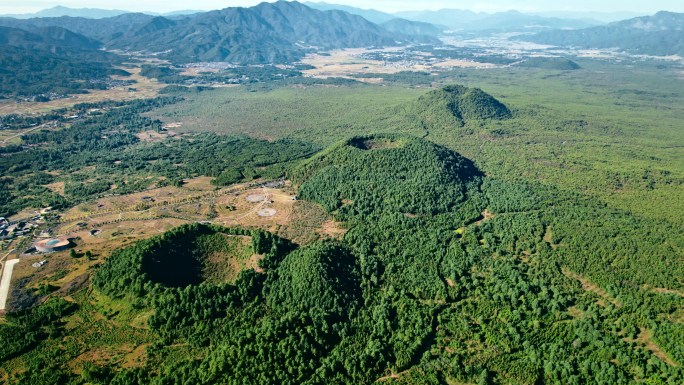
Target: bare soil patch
pixel 645 338
pixel 590 286
pixel 332 229
pixel 391 376
pixel 677 316
pixel 267 212
pixel 154 136
pixel 304 221
pixel 548 237
pixel 346 63
pixel 103 356
pixel 661 290
pixel 201 183
pixel 486 215
pixel 140 321
pixel 74 284
pixel 117 221
pixel 255 198
pixel 57 187
pixel 224 267
pixel 136 358
pixel 575 312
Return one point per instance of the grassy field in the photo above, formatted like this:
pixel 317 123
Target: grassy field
pixel 608 131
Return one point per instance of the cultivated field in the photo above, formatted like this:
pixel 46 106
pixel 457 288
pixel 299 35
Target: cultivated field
pixel 345 63
pixel 142 88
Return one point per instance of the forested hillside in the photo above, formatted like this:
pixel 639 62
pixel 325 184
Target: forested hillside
pixel 52 60
pixel 281 32
pixel 366 175
pixel 455 105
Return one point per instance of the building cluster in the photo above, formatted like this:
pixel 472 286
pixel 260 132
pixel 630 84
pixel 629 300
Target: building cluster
pixel 11 230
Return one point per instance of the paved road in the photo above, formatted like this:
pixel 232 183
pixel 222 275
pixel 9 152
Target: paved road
pixel 20 134
pixel 5 282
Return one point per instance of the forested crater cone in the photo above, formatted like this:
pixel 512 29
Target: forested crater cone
pixel 196 255
pixel 371 174
pixel 455 105
pixel 189 255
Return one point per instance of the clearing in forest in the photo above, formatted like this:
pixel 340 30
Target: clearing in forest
pixel 486 215
pixel 645 338
pixel 590 286
pixel 548 237
pixel 661 290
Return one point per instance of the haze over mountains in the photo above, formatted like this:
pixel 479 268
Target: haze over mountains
pixel 661 34
pixel 283 32
pixel 89 13
pixel 458 19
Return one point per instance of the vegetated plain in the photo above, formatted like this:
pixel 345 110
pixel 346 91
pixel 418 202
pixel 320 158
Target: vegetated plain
pixel 608 131
pixel 540 246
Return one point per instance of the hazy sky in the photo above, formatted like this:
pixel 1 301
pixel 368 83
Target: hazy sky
pixel 641 6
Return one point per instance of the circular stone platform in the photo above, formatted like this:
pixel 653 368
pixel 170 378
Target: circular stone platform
pixel 52 245
pixel 266 212
pixel 255 198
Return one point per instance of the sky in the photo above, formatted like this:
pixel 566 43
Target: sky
pixel 161 6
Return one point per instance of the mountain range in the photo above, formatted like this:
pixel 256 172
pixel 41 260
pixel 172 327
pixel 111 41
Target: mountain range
pixel 284 31
pixel 661 34
pixel 465 20
pixel 279 32
pixel 89 13
pixel 391 22
pixel 412 28
pixel 51 60
pixel 459 20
